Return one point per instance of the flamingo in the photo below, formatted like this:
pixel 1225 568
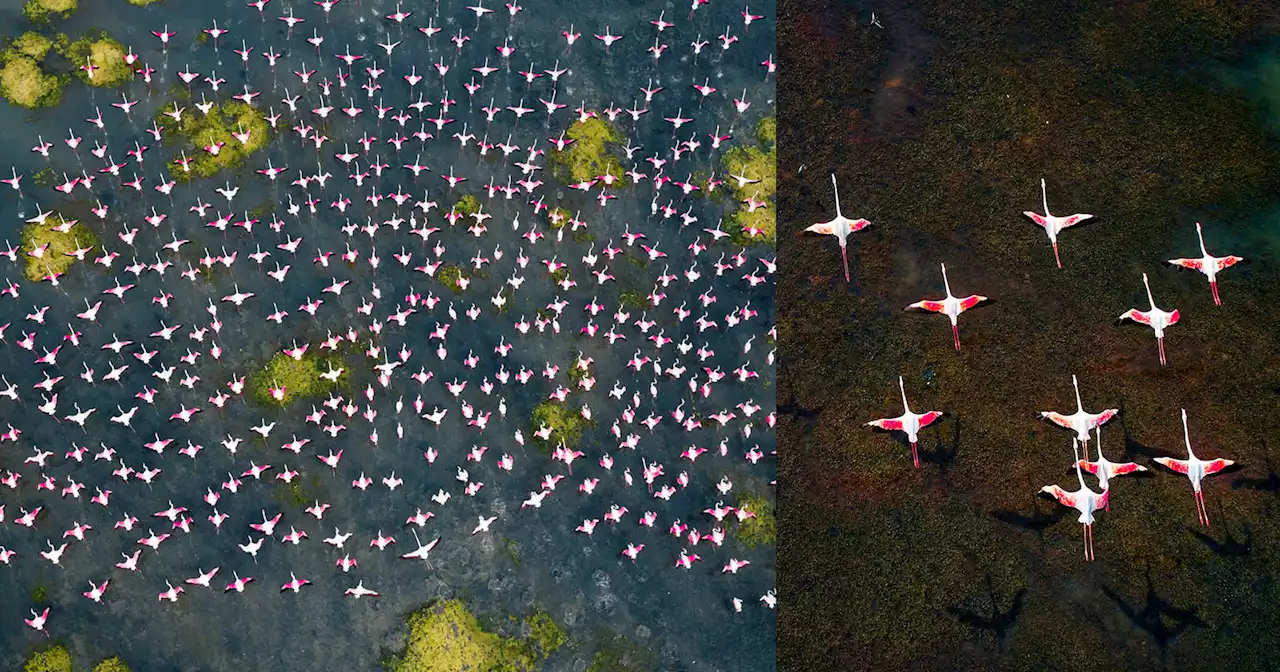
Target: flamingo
pixel 1053 224
pixel 950 306
pixel 1195 469
pixel 840 227
pixel 908 422
pixel 1155 318
pixel 1208 264
pixel 1084 500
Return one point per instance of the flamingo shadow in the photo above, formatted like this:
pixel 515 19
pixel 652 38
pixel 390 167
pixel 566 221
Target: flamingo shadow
pixel 944 453
pixel 1038 521
pixel 1132 446
pixel 1269 484
pixel 1155 616
pixel 1230 547
pixel 998 622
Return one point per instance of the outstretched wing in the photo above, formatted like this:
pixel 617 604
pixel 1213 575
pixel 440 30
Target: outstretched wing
pixel 1091 467
pixel 1064 498
pixel 1102 418
pixel 928 418
pixel 891 424
pixel 1180 466
pixel 1126 468
pixel 1228 261
pixel 931 306
pixel 1214 466
pixel 970 301
pixel 1056 418
pixel 1074 219
pixel 1036 217
pixel 823 228
pixel 1138 316
pixel 1193 264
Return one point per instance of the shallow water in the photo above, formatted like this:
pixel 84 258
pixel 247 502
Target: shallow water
pixel 1152 117
pixel 683 617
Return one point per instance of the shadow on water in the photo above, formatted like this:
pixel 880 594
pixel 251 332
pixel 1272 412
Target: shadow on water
pixel 1037 521
pixel 1158 617
pixel 994 620
pixel 944 451
pixel 1230 547
pixel 1269 484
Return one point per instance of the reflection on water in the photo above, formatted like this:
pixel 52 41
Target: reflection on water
pixel 531 558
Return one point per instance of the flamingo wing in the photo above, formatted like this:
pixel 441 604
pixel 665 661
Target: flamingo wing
pixel 891 424
pixel 1138 316
pixel 1091 467
pixel 858 225
pixel 1214 466
pixel 1180 466
pixel 928 418
pixel 1057 418
pixel 1228 261
pixel 1126 468
pixel 970 301
pixel 1064 498
pixel 823 228
pixel 1074 219
pixel 1173 318
pixel 931 306
pixel 1036 217
pixel 1102 418
pixel 1193 264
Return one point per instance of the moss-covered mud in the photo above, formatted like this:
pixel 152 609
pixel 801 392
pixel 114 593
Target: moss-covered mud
pixel 220 129
pixel 445 637
pixel 939 130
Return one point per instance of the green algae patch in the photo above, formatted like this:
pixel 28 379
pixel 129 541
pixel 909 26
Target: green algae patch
pixel 42 11
pixel 760 529
pixel 142 3
pixel 566 424
pixel 590 155
pixel 22 81
pixel 53 659
pixel 759 162
pixel 112 664
pixel 105 55
pixel 618 653
pixel 558 218
pixel 300 378
pixel 198 131
pixel 40 594
pixel 633 300
pixel 445 637
pixel 32 45
pixel 545 635
pixel 449 275
pixel 467 205
pixel 56 257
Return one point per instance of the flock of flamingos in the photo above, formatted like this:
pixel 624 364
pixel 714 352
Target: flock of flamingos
pixel 1084 499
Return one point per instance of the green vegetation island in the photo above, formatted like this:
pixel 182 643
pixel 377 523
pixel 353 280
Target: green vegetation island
pixel 566 424
pixel 760 529
pixel 23 82
pixel 301 378
pixel 590 155
pixel 198 136
pixel 42 11
pixel 756 162
pixel 57 246
pixel 445 637
pixel 57 658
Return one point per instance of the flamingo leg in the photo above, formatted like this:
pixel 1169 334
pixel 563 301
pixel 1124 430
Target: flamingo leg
pixel 1160 343
pixel 914 455
pixel 1055 254
pixel 955 334
pixel 1085 535
pixel 844 255
pixel 1213 287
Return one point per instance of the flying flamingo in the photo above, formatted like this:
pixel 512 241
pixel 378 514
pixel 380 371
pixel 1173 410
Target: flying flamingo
pixel 950 306
pixel 1208 264
pixel 1195 469
pixel 1083 500
pixel 1053 224
pixel 1081 421
pixel 840 227
pixel 1105 469
pixel 1155 318
pixel 908 422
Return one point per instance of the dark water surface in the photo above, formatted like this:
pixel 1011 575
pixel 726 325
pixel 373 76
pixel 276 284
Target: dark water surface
pixel 1150 115
pixel 683 618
